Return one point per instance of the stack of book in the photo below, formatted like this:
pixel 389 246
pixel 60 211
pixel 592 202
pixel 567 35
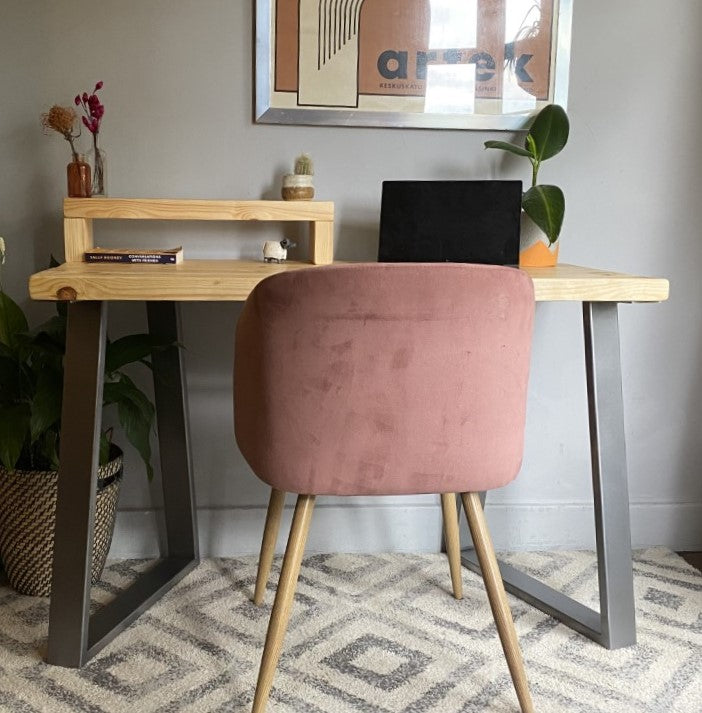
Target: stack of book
pixel 171 256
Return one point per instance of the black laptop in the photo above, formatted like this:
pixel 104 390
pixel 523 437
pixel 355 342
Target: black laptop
pixel 450 221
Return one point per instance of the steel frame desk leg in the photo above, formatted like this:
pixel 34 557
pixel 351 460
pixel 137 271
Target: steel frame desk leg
pixel 81 417
pixel 614 626
pixel 173 434
pixel 609 474
pixel 74 636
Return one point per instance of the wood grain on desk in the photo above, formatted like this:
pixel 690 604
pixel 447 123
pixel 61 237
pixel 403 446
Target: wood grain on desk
pixel 194 209
pixel 233 280
pixel 586 284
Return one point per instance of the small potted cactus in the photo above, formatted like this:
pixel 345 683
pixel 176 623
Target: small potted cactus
pixel 298 186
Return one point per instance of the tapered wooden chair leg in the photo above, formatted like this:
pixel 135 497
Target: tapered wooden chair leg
pixel 498 599
pixel 283 599
pixel 453 542
pixel 270 537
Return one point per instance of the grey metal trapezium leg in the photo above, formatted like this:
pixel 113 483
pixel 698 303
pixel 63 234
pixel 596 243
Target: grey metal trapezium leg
pixel 173 435
pixel 609 474
pixel 176 471
pixel 74 637
pixel 614 625
pixel 75 508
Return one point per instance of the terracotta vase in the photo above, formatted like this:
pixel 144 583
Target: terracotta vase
pixel 534 248
pixel 78 178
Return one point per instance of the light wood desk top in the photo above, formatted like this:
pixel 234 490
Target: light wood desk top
pixel 233 280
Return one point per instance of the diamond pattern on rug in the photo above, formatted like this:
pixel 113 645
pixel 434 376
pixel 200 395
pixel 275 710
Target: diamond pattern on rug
pixel 138 671
pixel 374 633
pixel 664 599
pixel 393 665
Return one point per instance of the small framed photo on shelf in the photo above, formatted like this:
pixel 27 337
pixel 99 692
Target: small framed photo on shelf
pixel 441 64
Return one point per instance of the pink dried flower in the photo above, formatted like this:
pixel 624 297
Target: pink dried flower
pixel 93 110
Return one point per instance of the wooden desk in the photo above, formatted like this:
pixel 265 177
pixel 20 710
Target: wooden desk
pixel 232 280
pixel 74 636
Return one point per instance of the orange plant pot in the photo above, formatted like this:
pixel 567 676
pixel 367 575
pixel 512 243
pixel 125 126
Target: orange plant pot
pixel 534 249
pixel 539 255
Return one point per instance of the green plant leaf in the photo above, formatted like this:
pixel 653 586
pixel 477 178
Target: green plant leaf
pixel 14 426
pixel 129 349
pixel 136 415
pixel 105 444
pixel 41 344
pixel 47 449
pixel 16 377
pixel 55 327
pixel 549 131
pixel 12 321
pixel 545 205
pixel 9 377
pixel 505 146
pixel 46 404
pixel 36 353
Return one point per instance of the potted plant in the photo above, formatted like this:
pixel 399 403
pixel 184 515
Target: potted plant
pixel 31 390
pixel 298 186
pixel 543 205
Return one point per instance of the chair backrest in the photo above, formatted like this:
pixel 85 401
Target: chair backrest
pixel 384 378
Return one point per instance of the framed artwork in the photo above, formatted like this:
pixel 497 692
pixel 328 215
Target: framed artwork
pixel 445 64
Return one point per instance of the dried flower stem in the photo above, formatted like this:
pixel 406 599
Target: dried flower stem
pixel 62 119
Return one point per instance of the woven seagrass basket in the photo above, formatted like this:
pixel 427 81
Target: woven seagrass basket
pixel 27 517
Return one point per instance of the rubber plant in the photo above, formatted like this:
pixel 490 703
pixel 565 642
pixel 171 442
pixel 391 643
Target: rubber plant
pixel 31 389
pixel 544 204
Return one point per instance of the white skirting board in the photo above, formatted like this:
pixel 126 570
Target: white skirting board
pixel 229 532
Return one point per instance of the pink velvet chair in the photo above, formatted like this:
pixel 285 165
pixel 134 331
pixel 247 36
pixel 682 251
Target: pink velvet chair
pixel 384 379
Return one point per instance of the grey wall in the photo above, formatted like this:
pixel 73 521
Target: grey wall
pixel 178 88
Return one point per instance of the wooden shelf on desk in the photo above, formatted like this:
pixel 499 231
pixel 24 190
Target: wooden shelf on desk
pixel 196 209
pixel 233 280
pixel 79 214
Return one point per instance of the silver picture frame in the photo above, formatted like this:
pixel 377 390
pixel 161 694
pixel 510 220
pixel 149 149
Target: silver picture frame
pixel 314 62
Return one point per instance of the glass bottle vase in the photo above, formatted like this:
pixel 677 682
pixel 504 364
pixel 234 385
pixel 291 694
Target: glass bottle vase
pixel 98 162
pixel 78 178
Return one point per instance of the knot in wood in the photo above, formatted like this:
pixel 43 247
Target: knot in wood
pixel 66 294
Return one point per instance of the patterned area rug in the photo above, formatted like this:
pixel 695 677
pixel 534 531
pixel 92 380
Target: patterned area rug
pixel 370 633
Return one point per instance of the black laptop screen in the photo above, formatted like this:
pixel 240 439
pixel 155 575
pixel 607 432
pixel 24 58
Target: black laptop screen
pixel 450 221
